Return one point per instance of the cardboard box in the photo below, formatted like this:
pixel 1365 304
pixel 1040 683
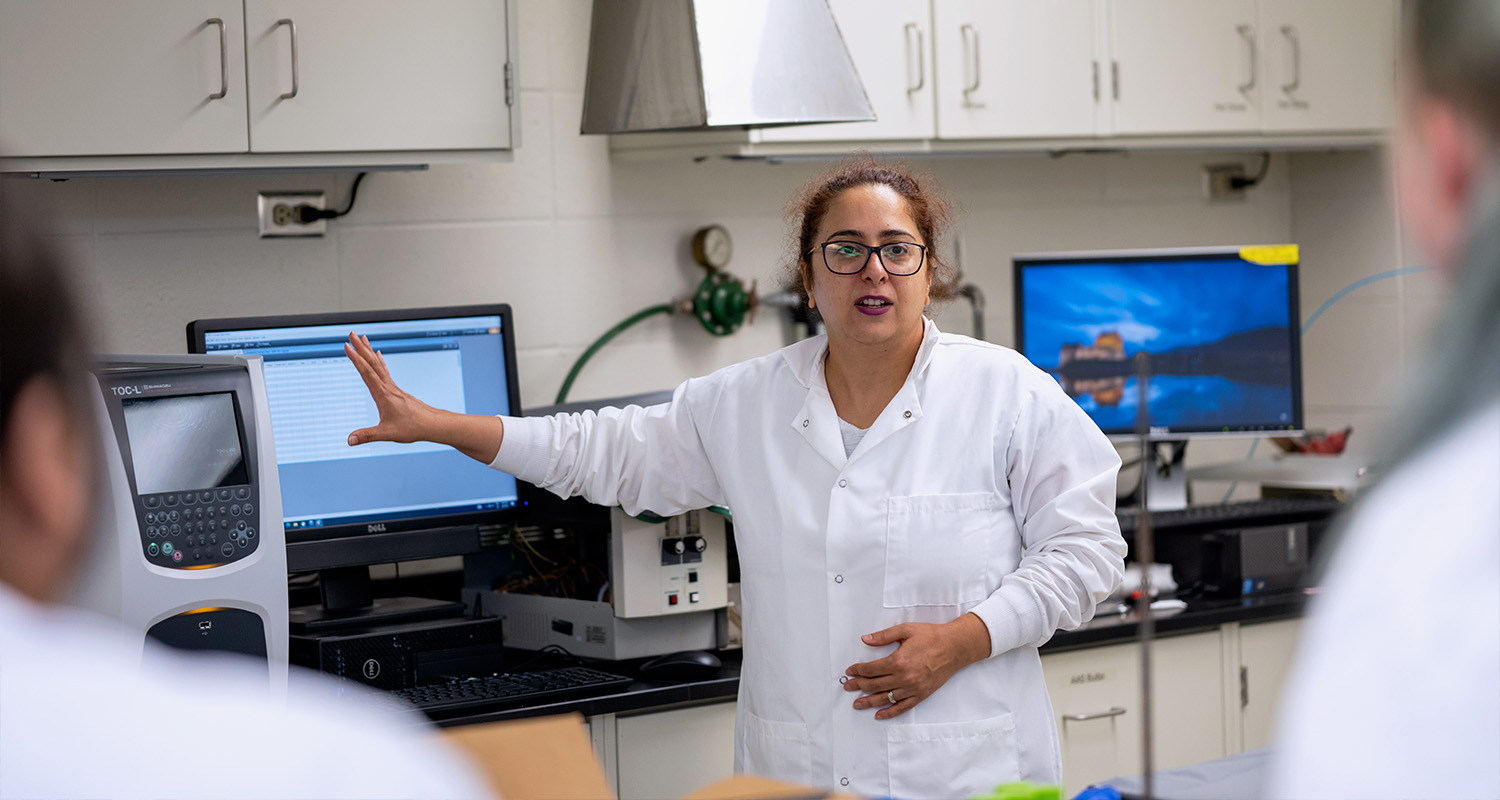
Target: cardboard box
pixel 550 758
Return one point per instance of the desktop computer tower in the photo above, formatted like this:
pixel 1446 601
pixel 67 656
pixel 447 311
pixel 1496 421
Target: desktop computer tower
pixel 404 654
pixel 189 548
pixel 1254 561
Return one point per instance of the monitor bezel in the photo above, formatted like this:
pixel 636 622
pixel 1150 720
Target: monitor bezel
pixel 1156 255
pixel 396 539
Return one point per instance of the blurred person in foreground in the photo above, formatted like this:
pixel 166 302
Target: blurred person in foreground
pixel 1396 689
pixel 81 713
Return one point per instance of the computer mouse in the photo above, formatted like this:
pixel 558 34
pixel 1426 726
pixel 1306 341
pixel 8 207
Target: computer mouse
pixel 684 665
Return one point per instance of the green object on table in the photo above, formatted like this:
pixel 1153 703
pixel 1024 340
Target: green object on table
pixel 1024 790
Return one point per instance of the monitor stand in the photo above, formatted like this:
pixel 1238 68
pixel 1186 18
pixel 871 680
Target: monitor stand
pixel 349 602
pixel 1166 478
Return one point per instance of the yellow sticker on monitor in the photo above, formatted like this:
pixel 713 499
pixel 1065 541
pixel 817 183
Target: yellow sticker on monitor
pixel 1270 254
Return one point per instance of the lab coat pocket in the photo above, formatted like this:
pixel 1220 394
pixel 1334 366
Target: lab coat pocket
pixel 780 750
pixel 938 548
pixel 952 759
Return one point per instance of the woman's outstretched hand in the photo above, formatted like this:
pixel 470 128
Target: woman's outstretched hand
pixel 403 418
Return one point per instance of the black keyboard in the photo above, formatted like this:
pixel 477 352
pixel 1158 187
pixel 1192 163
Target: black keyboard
pixel 512 689
pixel 1234 515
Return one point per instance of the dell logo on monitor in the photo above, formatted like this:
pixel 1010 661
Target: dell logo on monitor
pixel 378 527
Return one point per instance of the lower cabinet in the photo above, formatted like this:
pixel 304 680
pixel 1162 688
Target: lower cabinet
pixel 668 753
pixel 1214 693
pixel 1266 651
pixel 1096 695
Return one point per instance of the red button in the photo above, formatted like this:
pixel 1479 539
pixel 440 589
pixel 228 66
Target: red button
pixel 671 599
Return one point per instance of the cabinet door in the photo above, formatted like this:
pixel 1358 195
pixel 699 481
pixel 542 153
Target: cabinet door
pixel 1185 66
pixel 1329 65
pixel 353 75
pixel 101 77
pixel 1266 652
pixel 1188 685
pixel 671 753
pixel 891 44
pixel 1017 68
pixel 1096 694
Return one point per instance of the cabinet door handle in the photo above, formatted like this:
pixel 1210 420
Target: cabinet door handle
pixel 1291 36
pixel 1114 80
pixel 912 28
pixel 1113 712
pixel 967 31
pixel 223 60
pixel 1096 80
pixel 1248 34
pixel 291 26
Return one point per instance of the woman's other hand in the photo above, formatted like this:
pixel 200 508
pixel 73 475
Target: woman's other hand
pixel 403 418
pixel 926 656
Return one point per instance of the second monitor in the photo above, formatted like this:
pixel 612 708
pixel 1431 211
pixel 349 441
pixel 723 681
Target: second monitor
pixel 1218 329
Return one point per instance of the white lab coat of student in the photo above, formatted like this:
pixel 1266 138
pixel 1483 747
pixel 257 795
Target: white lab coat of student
pixel 980 488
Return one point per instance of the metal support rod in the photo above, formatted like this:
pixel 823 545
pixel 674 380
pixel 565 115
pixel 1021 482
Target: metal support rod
pixel 1145 555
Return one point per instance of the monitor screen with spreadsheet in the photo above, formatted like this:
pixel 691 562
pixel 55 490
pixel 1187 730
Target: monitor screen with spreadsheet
pixel 456 358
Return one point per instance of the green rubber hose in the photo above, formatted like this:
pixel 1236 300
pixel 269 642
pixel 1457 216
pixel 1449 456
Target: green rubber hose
pixel 562 394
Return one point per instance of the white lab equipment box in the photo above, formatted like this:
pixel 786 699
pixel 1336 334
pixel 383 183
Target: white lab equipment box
pixel 667 581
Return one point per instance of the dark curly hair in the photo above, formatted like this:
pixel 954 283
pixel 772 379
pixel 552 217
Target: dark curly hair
pixel 929 209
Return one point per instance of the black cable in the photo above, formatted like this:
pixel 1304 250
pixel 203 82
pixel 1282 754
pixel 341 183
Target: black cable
pixel 1260 175
pixel 306 213
pixel 354 191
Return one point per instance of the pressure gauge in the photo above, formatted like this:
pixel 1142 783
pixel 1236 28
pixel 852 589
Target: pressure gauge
pixel 712 247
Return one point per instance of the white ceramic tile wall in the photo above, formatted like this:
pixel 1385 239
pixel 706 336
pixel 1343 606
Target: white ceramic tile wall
pixel 576 242
pixel 1343 215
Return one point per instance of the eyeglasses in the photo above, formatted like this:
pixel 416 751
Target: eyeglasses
pixel 850 258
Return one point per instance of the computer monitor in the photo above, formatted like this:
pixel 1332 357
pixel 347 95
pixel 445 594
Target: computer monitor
pixel 345 508
pixel 1219 328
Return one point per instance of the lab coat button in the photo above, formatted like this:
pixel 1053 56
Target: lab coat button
pixel 843 679
pixel 843 483
pixel 907 414
pixel 843 781
pixel 838 579
pixel 804 423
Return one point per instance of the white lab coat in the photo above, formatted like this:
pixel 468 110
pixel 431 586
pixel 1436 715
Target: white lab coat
pixel 84 715
pixel 1396 689
pixel 981 487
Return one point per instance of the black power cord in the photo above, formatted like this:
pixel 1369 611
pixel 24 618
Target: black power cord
pixel 306 213
pixel 1238 183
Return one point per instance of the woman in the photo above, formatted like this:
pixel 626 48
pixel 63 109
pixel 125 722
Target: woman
pixel 915 512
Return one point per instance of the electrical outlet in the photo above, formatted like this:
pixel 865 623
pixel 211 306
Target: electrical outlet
pixel 278 214
pixel 1218 182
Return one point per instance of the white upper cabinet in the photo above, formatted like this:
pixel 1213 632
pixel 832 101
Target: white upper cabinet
pixel 891 44
pixel 1328 64
pixel 1185 66
pixel 1018 68
pixel 164 84
pixel 90 77
pixel 358 75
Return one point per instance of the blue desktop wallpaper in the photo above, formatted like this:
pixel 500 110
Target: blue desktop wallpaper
pixel 1218 330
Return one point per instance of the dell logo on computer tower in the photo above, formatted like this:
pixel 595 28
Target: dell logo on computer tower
pixel 378 527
